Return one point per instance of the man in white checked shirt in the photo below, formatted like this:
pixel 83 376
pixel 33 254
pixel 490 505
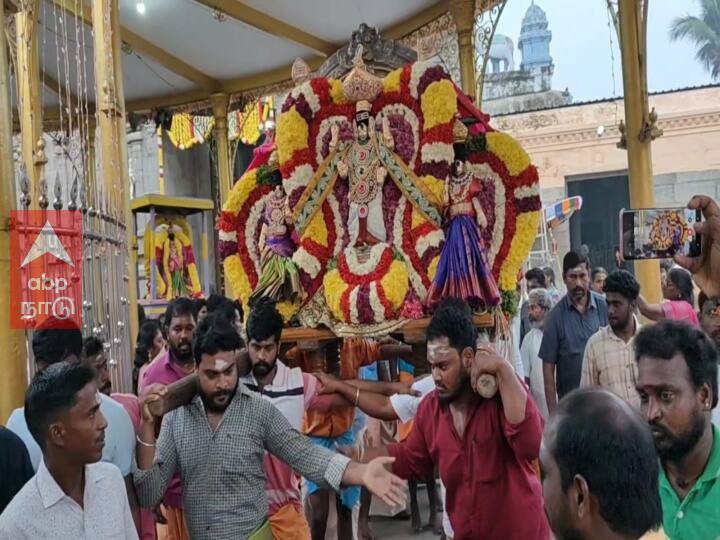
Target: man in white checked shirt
pixel 218 441
pixel 609 359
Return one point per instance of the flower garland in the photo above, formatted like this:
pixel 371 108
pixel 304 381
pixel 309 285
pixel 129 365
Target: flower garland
pixel 369 292
pixel 513 197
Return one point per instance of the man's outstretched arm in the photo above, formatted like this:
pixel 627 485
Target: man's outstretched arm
pixel 324 467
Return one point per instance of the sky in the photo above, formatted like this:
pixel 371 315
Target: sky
pixel 583 56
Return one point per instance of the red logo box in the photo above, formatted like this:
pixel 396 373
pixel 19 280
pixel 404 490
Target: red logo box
pixel 45 269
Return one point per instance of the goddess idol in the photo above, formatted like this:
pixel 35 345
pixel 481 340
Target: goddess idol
pixel 279 278
pixel 463 270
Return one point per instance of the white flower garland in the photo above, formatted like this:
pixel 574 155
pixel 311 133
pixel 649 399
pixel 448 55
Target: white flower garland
pixel 430 240
pixel 337 221
pixel 299 178
pixel 305 89
pixel 435 152
pixel 416 72
pixel 353 303
pixel 306 262
pixel 252 246
pixel 527 191
pixel 415 279
pixel 225 236
pixel 376 304
pixel 363 268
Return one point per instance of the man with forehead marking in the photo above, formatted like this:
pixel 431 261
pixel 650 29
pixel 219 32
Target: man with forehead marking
pixel 484 448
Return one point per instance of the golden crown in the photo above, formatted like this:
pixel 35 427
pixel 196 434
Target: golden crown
pixel 273 162
pixel 360 85
pixel 460 132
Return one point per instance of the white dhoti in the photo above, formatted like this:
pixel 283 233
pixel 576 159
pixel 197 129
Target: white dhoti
pixel 375 223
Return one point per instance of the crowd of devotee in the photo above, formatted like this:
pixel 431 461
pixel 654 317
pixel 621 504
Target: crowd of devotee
pixel 602 429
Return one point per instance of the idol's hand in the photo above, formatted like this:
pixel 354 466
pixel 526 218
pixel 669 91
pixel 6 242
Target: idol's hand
pixel 334 136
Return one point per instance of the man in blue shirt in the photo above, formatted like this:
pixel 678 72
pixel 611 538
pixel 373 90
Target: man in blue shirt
pixel 568 326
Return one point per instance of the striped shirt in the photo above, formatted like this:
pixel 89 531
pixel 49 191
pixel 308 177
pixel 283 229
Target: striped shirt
pixel 222 471
pixel 610 362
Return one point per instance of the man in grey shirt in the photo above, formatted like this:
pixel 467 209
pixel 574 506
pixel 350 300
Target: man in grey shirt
pixel 568 326
pixel 218 442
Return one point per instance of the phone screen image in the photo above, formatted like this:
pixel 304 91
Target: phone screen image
pixel 658 233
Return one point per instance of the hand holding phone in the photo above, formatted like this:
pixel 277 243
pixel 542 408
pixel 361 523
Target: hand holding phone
pixel 705 267
pixel 659 233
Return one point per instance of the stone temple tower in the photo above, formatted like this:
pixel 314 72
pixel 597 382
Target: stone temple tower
pixel 534 42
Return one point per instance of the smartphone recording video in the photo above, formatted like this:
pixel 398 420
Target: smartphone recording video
pixel 659 233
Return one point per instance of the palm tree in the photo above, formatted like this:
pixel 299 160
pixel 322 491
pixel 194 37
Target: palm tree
pixel 705 32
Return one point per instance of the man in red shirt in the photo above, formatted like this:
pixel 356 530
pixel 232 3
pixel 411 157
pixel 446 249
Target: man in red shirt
pixel 484 448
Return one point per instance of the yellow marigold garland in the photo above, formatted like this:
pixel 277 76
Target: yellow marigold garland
pixel 334 287
pixel 395 284
pixel 509 150
pixel 336 91
pixel 438 103
pixel 391 82
pixel 525 232
pixel 292 134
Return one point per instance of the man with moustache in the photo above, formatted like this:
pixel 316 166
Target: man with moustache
pixel 568 326
pixel 72 496
pixel 678 385
pixel 217 443
pixel 292 392
pixel 609 359
pixel 484 448
pixel 170 366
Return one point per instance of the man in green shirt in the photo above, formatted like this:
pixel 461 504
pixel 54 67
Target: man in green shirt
pixel 677 383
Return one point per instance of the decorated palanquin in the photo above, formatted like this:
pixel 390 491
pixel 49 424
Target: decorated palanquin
pixel 364 165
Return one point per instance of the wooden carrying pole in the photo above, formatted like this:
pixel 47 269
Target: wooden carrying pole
pixel 14 376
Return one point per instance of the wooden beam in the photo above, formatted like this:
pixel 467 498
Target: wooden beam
pixel 281 74
pixel 169 100
pixel 142 45
pixel 265 78
pixel 270 25
pixel 420 19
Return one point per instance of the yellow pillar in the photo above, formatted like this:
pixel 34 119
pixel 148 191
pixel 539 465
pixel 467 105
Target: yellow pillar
pixel 110 104
pixel 636 113
pixel 463 12
pixel 29 98
pixel 14 377
pixel 220 104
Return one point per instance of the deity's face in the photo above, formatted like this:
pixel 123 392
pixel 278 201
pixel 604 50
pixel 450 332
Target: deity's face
pixel 458 167
pixel 279 191
pixel 362 131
